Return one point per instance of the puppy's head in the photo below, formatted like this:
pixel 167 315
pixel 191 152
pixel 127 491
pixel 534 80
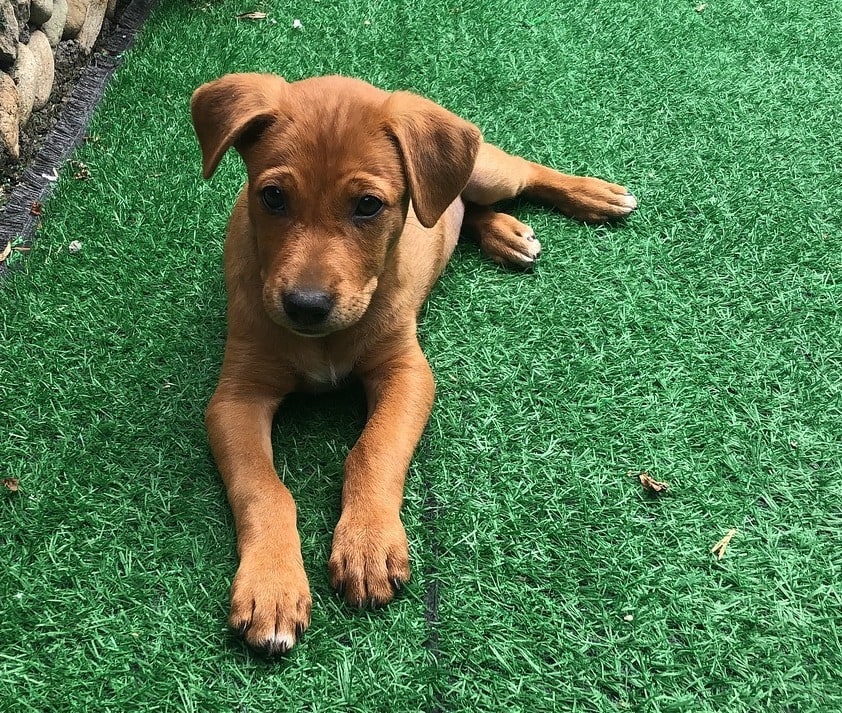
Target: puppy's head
pixel 332 165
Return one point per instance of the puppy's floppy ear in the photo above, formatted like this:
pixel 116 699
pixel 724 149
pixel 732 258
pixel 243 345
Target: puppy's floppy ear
pixel 225 110
pixel 438 150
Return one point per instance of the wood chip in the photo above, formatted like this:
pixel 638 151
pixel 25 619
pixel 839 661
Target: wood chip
pixel 252 16
pixel 35 208
pixel 652 485
pixel 11 484
pixel 719 548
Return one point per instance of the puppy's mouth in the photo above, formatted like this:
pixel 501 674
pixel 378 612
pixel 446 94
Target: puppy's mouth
pixel 311 332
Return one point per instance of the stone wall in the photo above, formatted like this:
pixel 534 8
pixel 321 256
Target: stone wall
pixel 30 34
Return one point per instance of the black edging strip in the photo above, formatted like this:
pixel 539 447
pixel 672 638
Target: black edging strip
pixel 17 221
pixel 429 516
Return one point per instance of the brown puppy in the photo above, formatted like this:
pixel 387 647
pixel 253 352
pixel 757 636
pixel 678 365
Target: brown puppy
pixel 354 202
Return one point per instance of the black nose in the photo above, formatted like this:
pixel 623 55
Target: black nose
pixel 307 307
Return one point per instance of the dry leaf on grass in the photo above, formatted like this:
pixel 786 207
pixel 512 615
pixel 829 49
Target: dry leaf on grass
pixel 252 16
pixel 81 172
pixel 652 485
pixel 11 484
pixel 719 548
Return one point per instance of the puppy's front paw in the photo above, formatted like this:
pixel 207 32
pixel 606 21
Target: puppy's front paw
pixel 369 560
pixel 509 242
pixel 270 602
pixel 596 201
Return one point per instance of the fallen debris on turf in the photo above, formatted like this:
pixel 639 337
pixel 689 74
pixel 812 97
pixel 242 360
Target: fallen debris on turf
pixel 719 548
pixel 652 485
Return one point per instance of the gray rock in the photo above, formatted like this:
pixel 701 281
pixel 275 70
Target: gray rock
pixel 9 131
pixel 9 33
pixel 93 24
pixel 77 11
pixel 26 74
pixel 54 27
pixel 22 12
pixel 40 11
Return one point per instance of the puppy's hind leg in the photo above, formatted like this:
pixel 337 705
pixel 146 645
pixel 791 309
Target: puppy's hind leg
pixel 499 176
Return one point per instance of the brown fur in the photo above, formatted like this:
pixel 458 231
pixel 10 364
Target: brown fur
pixel 325 143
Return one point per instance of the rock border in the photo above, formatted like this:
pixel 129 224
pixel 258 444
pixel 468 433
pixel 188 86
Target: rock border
pixel 21 214
pixel 30 32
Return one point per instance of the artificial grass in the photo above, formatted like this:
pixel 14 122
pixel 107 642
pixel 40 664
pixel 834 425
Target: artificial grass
pixel 700 342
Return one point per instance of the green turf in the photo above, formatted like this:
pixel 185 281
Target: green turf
pixel 701 342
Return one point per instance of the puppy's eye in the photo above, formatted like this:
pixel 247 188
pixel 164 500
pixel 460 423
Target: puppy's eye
pixel 273 199
pixel 368 207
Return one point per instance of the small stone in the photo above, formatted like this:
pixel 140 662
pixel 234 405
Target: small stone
pixel 9 33
pixel 9 130
pixel 296 25
pixel 40 11
pixel 39 45
pixel 26 73
pixel 75 246
pixel 93 24
pixel 54 27
pixel 628 617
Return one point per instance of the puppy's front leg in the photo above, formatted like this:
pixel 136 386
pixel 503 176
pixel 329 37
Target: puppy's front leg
pixel 270 596
pixel 370 559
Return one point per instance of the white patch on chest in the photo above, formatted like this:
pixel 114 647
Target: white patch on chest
pixel 326 374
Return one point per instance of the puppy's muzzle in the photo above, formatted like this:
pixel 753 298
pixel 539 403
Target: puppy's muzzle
pixel 307 308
